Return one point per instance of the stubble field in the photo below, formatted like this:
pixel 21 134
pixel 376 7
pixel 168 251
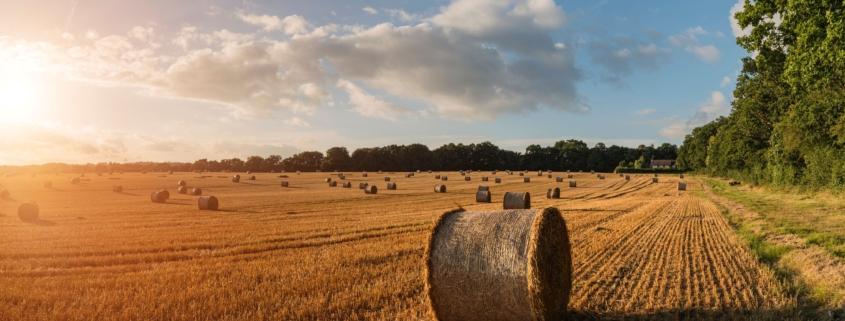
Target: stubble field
pixel 313 252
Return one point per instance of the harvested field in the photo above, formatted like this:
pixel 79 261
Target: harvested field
pixel 310 252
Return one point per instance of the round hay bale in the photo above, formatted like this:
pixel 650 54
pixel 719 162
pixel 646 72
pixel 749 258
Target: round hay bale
pixel 467 178
pixel 444 178
pixel 627 177
pixel 117 189
pixel 252 178
pixel 409 175
pixel 539 174
pixel 372 189
pixel 333 184
pixel 484 179
pixel 553 193
pixel 328 180
pixel 363 185
pixel 208 203
pixel 248 172
pixel 386 178
pixel 559 179
pixel 436 176
pixel 572 184
pixel 517 200
pixel 568 175
pixel 521 174
pixel 681 176
pixel 160 196
pixel 655 174
pixel 364 174
pixel 196 191
pixel 28 212
pixel 682 186
pixel 526 179
pixel 391 185
pixel 654 180
pixel 549 176
pixel 498 180
pixel 181 183
pixel 440 188
pixel 182 189
pixel 483 196
pixel 285 184
pixel 236 178
pixel 483 188
pixel 503 265
pixel 347 185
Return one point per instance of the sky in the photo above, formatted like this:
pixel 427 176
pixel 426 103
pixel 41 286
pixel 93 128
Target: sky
pixel 100 80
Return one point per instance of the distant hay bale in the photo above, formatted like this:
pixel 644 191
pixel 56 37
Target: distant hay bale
pixel 181 183
pixel 28 212
pixel 483 196
pixel 568 175
pixel 364 174
pixel 409 175
pixel 372 189
pixel 682 186
pixel 236 178
pixel 117 189
pixel 539 174
pixel 196 191
pixel 681 176
pixel 436 176
pixel 347 185
pixel 328 180
pixel 444 178
pixel 601 176
pixel 484 179
pixel 333 184
pixel 248 172
pixel 734 183
pixel 553 193
pixel 493 173
pixel 654 180
pixel 182 189
pixel 387 178
pixel 592 172
pixel 627 177
pixel 285 184
pixel 526 179
pixel 559 179
pixel 521 174
pixel 75 180
pixel 505 265
pixel 467 178
pixel 440 188
pixel 252 177
pixel 391 185
pixel 572 184
pixel 497 180
pixel 363 185
pixel 517 200
pixel 549 176
pixel 379 172
pixel 208 203
pixel 160 196
pixel 655 174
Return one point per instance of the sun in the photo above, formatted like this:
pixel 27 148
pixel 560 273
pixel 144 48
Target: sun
pixel 19 93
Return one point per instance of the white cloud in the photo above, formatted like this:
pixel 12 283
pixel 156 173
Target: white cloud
pixel 297 122
pixel 689 40
pixel 620 57
pixel 370 10
pixel 646 111
pixel 481 17
pixel 402 15
pixel 291 25
pixel 735 28
pixel 368 105
pixel 714 107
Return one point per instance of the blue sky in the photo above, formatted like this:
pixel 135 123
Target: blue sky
pixel 172 80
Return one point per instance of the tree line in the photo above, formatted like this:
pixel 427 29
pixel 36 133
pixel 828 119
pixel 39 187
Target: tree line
pixel 787 121
pixel 569 154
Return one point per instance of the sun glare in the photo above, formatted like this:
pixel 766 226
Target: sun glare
pixel 19 92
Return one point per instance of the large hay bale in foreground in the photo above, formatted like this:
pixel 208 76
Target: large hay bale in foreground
pixel 682 186
pixel 483 196
pixel 372 189
pixel 440 188
pixel 196 191
pixel 510 265
pixel 236 178
pixel 28 212
pixel 160 196
pixel 517 200
pixel 207 203
pixel 553 193
pixel 391 185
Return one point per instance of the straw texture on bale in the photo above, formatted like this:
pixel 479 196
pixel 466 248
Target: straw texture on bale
pixel 483 196
pixel 372 189
pixel 182 190
pixel 285 184
pixel 517 200
pixel 682 186
pixel 507 265
pixel 196 191
pixel 440 188
pixel 553 193
pixel 236 179
pixel 28 212
pixel 498 180
pixel 160 196
pixel 526 179
pixel 483 188
pixel 208 203
pixel 572 184
pixel 391 185
pixel 117 189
